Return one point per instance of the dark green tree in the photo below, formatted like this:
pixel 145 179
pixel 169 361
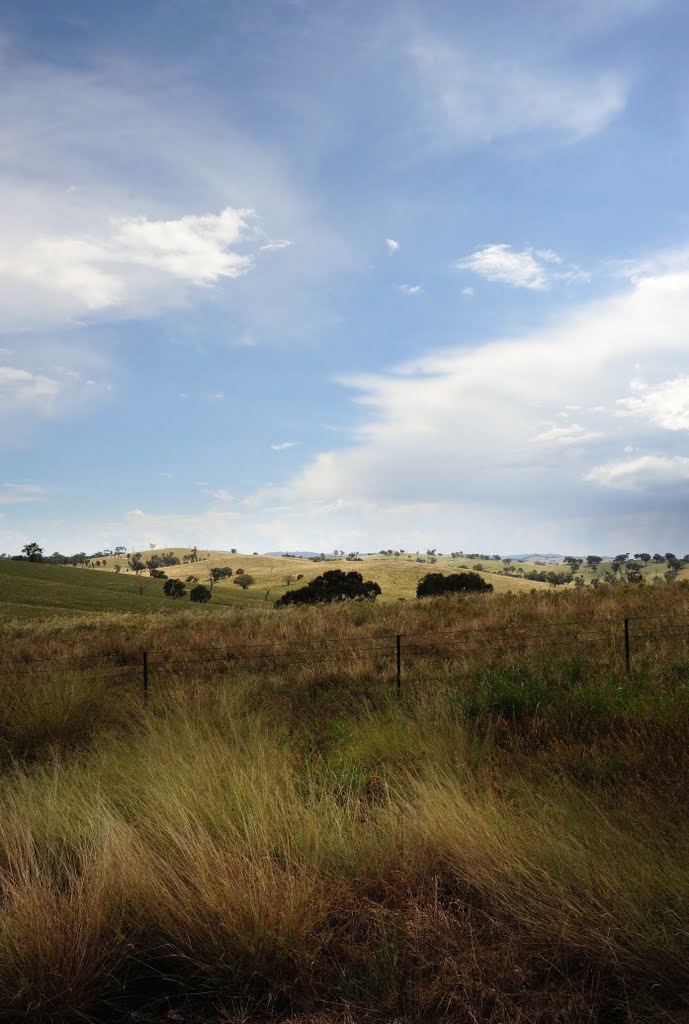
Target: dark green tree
pixel 33 552
pixel 174 588
pixel 200 594
pixel 435 583
pixel 331 587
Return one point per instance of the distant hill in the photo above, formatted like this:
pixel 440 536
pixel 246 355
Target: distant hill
pixel 550 556
pixel 292 554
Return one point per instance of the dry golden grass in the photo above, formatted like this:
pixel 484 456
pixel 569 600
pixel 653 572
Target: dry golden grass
pixel 508 842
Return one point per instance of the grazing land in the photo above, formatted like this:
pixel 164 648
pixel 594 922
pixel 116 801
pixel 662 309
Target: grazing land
pixel 35 589
pixel 283 835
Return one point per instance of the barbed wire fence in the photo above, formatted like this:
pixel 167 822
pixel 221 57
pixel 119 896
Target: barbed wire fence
pixel 623 645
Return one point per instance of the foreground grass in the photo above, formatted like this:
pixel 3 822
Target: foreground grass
pixel 506 842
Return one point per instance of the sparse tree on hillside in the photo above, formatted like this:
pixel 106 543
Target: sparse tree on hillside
pixel 593 561
pixel 33 552
pixel 244 580
pixel 200 594
pixel 643 556
pixel 573 562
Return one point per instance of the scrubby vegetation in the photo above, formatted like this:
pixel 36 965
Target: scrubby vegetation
pixel 275 833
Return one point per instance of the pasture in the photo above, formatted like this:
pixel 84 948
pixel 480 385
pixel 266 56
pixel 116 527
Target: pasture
pixel 287 838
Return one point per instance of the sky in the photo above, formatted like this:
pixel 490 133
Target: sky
pixel 339 275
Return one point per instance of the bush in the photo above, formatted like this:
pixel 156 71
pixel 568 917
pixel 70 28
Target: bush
pixel 434 583
pixel 174 588
pixel 200 594
pixel 331 586
pixel 157 574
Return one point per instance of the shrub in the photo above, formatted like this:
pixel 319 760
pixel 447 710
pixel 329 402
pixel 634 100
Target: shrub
pixel 331 586
pixel 200 594
pixel 434 583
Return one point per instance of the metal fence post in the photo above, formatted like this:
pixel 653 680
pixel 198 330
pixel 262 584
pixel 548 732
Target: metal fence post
pixel 627 652
pixel 145 668
pixel 398 650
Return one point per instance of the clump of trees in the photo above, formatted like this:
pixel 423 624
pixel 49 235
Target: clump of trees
pixel 435 583
pixel 332 586
pixel 174 588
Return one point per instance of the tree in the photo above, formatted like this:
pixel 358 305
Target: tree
pixel 593 561
pixel 33 552
pixel 643 556
pixel 157 574
pixel 200 594
pixel 174 588
pixel 331 587
pixel 434 583
pixel 244 580
pixel 573 562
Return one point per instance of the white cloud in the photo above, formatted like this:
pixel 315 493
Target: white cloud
pixel 393 245
pixel 666 405
pixel 167 476
pixel 21 494
pixel 531 268
pixel 411 289
pixel 645 473
pixel 222 495
pixel 474 101
pixel 216 396
pixel 21 387
pixel 284 445
pixel 273 246
pixel 468 290
pixel 88 275
pixel 573 433
pixel 460 426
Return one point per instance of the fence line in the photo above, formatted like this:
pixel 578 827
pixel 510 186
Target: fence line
pixel 510 639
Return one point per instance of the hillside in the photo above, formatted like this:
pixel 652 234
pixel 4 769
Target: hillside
pixel 29 589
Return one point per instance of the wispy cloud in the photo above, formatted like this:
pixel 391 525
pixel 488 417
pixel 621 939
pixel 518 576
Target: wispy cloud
pixel 646 473
pixel 21 494
pixel 282 446
pixel 573 433
pixel 531 268
pixel 473 101
pixel 393 245
pixel 411 289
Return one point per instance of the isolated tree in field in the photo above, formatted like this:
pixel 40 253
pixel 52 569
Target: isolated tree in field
pixel 244 580
pixel 331 587
pixel 200 594
pixel 288 578
pixel 33 552
pixel 435 583
pixel 174 588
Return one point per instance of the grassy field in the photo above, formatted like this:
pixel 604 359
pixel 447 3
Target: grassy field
pixel 283 837
pixel 34 590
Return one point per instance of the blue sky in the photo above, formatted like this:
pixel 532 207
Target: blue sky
pixel 344 275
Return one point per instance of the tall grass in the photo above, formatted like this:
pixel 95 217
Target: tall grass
pixel 505 843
